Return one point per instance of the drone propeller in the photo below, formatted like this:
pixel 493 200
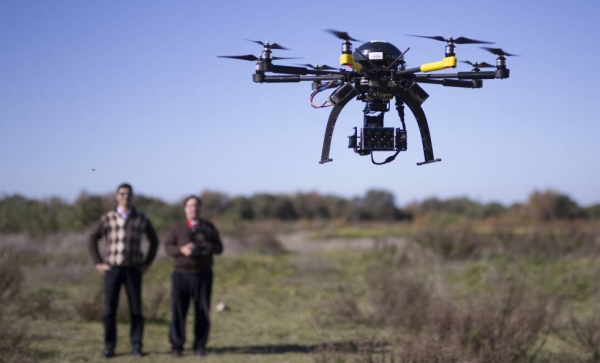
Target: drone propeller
pixel 342 35
pixel 499 52
pixel 265 54
pixel 479 65
pixel 250 57
pixel 459 40
pixel 272 46
pixel 317 67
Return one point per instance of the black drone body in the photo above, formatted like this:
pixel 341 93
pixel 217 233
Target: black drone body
pixel 376 74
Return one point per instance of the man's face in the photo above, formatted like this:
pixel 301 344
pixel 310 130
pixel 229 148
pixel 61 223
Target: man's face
pixel 192 209
pixel 124 198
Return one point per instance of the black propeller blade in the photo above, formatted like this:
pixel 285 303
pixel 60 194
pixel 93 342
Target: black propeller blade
pixel 479 65
pixel 459 40
pixel 317 67
pixel 268 46
pixel 272 46
pixel 342 35
pixel 500 52
pixel 250 57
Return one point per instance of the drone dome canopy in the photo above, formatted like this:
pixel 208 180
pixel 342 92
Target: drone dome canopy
pixel 376 52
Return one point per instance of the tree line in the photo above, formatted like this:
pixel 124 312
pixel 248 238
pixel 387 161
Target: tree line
pixel 19 214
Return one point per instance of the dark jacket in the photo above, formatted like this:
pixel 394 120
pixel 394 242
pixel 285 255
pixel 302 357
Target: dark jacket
pixel 203 234
pixel 124 239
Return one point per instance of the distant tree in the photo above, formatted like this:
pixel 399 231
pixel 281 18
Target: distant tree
pixel 162 214
pixel 378 205
pixel 11 211
pixel 62 216
pixel 19 214
pixel 341 208
pixel 310 206
pixel 492 210
pixel 429 206
pixel 269 206
pixel 239 208
pixel 213 203
pixel 89 208
pixel 461 206
pixel 551 205
pixel 593 212
pixel 262 205
pixel 284 209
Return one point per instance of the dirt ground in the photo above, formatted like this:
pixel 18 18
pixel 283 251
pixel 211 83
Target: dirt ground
pixel 299 242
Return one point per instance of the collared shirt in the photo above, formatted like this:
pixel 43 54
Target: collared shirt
pixel 192 223
pixel 122 213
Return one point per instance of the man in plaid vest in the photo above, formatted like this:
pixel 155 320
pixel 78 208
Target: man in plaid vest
pixel 123 264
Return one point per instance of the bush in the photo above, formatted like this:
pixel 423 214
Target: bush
pixel 504 323
pixel 401 298
pixel 583 334
pixel 14 337
pixel 451 241
pixel 90 307
pixel 11 279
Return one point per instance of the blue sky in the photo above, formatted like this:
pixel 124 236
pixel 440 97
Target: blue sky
pixel 93 93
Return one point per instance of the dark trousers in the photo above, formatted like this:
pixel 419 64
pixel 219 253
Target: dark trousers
pixel 113 279
pixel 197 288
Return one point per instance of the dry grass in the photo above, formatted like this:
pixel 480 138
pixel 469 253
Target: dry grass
pixel 504 319
pixel 546 241
pixel 14 337
pixel 444 297
pixel 583 333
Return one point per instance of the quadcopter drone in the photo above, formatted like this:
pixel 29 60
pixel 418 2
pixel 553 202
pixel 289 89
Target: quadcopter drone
pixel 376 73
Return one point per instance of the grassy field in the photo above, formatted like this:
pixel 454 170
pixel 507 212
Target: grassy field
pixel 396 295
pixel 272 306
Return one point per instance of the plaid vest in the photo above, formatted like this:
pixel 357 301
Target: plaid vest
pixel 124 237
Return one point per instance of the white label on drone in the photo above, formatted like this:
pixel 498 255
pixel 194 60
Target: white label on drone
pixel 376 55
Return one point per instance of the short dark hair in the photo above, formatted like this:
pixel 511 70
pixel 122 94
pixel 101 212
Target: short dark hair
pixel 125 185
pixel 192 197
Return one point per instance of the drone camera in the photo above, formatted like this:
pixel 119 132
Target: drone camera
pixel 374 121
pixel 377 138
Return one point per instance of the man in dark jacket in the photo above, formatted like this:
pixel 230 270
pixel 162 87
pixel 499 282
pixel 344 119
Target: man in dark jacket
pixel 122 229
pixel 192 244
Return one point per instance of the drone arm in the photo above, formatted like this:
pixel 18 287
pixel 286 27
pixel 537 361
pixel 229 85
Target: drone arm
pixel 459 75
pixel 451 82
pixel 448 62
pixel 298 70
pixel 289 70
pixel 262 78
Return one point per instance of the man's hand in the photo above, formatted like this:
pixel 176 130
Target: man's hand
pixel 203 249
pixel 102 268
pixel 187 249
